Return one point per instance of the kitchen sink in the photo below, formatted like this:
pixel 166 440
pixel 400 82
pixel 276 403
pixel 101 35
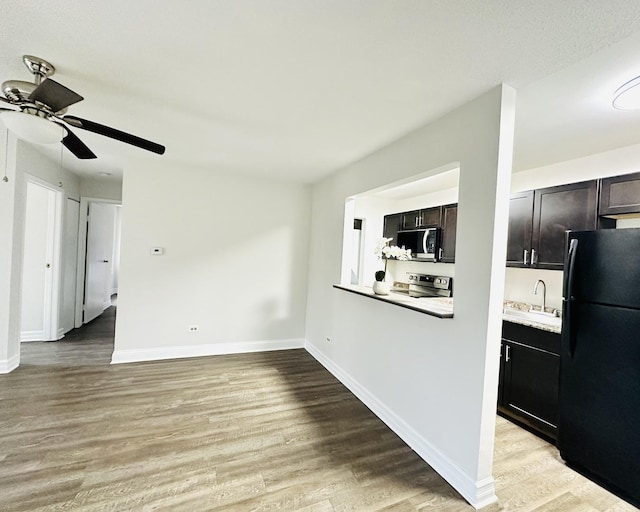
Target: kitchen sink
pixel 533 316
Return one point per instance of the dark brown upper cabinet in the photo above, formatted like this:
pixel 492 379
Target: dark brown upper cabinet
pixel 426 218
pixel 557 210
pixel 620 195
pixel 391 227
pixel 553 211
pixel 520 224
pixel 449 225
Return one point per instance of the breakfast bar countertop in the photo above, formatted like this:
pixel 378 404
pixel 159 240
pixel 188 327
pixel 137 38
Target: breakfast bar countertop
pixel 440 307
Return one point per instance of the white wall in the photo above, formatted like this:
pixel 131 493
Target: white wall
pixel 235 263
pixel 434 381
pixel 101 187
pixel 11 222
pixel 519 282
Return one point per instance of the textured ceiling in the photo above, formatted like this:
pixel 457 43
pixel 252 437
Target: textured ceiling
pixel 295 89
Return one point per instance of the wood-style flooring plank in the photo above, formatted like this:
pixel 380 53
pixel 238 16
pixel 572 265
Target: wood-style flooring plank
pixel 247 432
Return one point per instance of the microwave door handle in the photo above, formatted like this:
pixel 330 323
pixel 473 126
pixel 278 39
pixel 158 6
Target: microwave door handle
pixel 424 242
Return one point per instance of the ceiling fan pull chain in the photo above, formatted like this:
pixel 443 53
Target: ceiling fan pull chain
pixel 5 178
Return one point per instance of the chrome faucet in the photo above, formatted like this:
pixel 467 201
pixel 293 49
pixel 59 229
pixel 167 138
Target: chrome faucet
pixel 544 293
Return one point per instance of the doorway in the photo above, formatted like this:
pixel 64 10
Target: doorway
pixel 98 257
pixel 41 262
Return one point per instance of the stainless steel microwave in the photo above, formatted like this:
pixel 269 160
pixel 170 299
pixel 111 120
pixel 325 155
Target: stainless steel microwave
pixel 424 243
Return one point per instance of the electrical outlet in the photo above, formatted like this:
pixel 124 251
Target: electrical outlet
pixel 329 340
pixel 193 328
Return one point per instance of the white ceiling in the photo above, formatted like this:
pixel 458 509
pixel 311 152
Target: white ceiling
pixel 295 89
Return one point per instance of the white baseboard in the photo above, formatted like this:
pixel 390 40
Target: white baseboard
pixel 478 493
pixel 212 349
pixel 31 336
pixel 8 365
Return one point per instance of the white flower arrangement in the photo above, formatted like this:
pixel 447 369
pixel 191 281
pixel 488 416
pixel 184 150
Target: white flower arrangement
pixel 385 251
pixel 388 252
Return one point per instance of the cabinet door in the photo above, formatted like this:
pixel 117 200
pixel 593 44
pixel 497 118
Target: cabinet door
pixel 530 385
pixel 391 227
pixel 620 195
pixel 449 225
pixel 556 210
pixel 431 217
pixel 411 220
pixel 520 225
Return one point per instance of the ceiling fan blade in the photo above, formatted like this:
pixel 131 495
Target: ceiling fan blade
pixel 56 96
pixel 114 134
pixel 76 146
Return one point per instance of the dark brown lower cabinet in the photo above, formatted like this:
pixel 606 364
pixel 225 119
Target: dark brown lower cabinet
pixel 529 374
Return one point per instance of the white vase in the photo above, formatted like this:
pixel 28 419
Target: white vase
pixel 381 287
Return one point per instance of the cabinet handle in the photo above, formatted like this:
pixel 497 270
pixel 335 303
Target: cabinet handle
pixel 526 255
pixel 506 355
pixel 417 221
pixel 533 257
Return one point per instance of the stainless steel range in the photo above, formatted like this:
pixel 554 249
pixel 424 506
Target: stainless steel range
pixel 424 285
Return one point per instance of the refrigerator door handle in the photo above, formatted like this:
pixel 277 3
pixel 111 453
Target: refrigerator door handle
pixel 569 298
pixel 569 270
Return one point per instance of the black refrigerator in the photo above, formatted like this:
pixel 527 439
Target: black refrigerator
pixel 599 409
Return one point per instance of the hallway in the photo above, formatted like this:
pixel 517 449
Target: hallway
pixel 89 345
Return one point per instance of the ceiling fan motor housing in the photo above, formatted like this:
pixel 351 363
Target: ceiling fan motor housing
pixel 18 90
pixel 40 68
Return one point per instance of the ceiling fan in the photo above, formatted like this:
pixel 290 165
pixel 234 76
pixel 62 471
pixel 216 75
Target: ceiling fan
pixel 40 111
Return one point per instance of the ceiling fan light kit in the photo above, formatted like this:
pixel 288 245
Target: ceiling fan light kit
pixel 32 128
pixel 627 97
pixel 39 108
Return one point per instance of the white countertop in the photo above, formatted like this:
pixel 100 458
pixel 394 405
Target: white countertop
pixel 556 327
pixel 441 307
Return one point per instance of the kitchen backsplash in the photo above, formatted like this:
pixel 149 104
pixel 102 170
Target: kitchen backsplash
pixel 519 283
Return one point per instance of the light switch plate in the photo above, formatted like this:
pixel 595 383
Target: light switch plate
pixel 157 251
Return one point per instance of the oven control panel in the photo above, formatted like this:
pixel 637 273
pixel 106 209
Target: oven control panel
pixel 425 285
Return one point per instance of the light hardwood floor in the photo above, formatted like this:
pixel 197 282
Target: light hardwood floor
pixel 267 431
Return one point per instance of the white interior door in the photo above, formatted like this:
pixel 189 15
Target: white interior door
pixel 40 267
pixel 100 236
pixel 70 250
